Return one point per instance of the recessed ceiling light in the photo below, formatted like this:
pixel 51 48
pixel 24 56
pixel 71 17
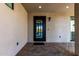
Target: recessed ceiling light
pixel 67 6
pixel 40 6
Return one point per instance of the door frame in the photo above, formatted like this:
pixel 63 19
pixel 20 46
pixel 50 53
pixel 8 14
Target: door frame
pixel 35 29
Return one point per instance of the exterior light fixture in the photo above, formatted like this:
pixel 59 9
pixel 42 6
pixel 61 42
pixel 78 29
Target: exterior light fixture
pixel 40 6
pixel 67 7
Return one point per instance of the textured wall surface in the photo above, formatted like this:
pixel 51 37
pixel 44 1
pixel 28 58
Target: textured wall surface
pixel 58 26
pixel 13 29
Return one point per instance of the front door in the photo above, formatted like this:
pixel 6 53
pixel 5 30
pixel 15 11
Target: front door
pixel 39 28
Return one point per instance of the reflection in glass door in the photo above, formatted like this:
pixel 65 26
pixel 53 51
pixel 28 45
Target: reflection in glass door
pixel 39 29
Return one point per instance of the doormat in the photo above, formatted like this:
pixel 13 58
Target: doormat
pixel 39 43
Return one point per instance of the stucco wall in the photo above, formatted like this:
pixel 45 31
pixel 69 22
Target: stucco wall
pixel 13 29
pixel 58 26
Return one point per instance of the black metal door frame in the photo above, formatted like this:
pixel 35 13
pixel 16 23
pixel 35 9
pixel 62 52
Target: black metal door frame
pixel 43 18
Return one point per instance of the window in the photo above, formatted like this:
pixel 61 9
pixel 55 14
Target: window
pixel 72 23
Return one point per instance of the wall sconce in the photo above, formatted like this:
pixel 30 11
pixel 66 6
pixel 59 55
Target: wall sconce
pixel 49 19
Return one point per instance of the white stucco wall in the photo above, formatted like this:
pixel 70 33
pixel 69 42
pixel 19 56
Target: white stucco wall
pixel 13 29
pixel 58 26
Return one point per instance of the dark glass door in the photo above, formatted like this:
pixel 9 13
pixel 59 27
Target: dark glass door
pixel 39 28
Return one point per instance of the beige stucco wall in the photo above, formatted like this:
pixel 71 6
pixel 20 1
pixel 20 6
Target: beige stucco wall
pixel 13 29
pixel 58 26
